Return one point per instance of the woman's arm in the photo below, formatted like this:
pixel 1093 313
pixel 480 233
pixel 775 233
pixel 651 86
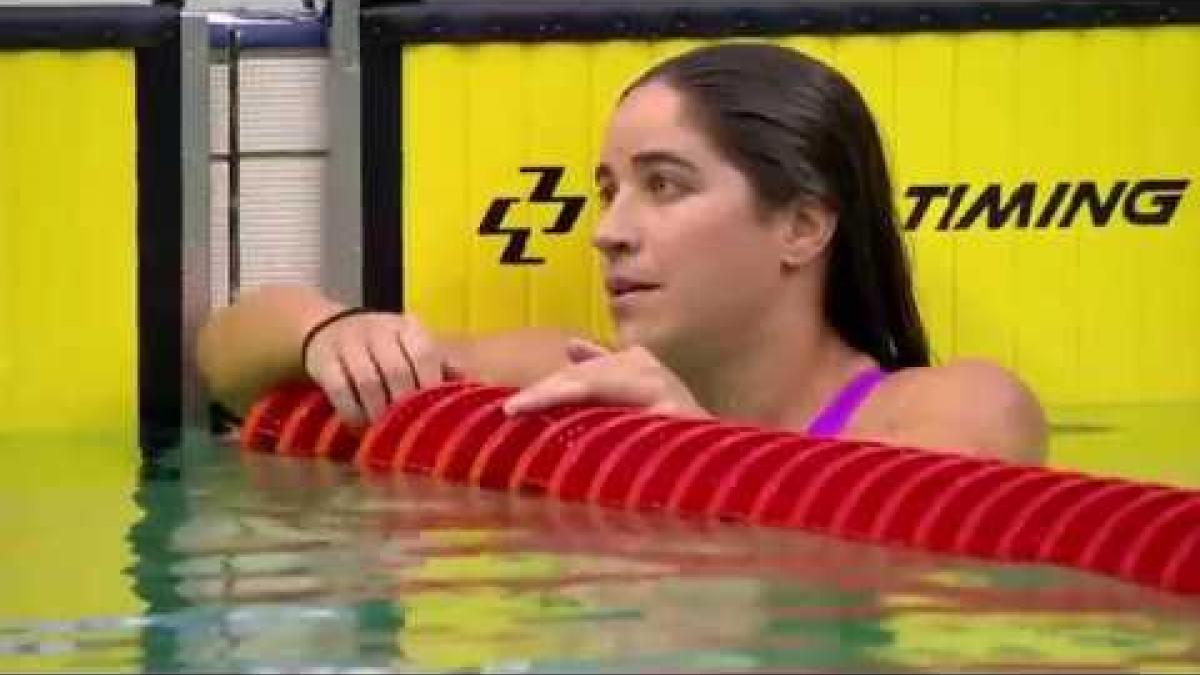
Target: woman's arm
pixel 362 361
pixel 254 344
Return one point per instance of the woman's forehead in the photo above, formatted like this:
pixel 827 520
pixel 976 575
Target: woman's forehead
pixel 653 117
pixel 651 104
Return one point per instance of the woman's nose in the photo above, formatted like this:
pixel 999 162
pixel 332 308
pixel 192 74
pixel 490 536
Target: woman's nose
pixel 615 233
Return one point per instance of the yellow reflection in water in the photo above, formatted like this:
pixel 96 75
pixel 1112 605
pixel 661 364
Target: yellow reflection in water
pixel 65 509
pixel 954 639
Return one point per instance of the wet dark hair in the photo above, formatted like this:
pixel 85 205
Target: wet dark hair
pixel 797 129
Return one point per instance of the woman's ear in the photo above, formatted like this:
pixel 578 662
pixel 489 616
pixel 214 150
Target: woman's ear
pixel 805 231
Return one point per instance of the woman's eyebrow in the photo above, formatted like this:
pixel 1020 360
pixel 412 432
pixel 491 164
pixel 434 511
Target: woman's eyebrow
pixel 604 172
pixel 650 157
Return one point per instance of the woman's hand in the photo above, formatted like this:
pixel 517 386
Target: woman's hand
pixel 365 362
pixel 629 377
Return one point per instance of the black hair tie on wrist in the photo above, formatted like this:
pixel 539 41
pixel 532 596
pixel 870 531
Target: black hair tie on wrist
pixel 323 324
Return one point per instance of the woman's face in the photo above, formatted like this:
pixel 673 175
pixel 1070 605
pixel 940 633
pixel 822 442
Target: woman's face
pixel 689 256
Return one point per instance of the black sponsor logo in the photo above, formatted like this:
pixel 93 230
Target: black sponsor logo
pixel 545 191
pixel 961 206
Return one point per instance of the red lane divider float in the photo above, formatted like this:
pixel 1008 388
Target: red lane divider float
pixel 626 458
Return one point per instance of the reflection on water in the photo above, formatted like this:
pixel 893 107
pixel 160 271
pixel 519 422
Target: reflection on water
pixel 263 564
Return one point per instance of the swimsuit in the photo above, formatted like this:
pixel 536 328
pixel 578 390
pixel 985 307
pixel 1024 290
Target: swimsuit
pixel 832 420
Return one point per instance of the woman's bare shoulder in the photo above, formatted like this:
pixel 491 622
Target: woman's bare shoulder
pixel 971 405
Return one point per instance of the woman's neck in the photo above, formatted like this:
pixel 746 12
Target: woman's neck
pixel 779 373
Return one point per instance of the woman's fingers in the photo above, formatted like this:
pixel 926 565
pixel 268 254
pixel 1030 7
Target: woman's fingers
pixel 425 357
pixel 580 350
pixel 572 385
pixel 399 378
pixel 366 378
pixel 333 379
pixel 632 377
pixel 600 380
pixel 366 362
pixel 553 391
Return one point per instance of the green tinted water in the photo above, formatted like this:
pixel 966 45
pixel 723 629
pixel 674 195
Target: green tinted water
pixel 209 561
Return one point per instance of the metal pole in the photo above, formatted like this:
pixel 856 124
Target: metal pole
pixel 235 166
pixel 197 250
pixel 341 229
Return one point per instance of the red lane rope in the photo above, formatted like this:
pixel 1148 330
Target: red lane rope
pixel 627 458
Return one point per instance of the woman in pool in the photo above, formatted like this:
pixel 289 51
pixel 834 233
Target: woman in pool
pixel 754 270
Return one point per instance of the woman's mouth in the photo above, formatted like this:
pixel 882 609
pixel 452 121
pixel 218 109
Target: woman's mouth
pixel 621 287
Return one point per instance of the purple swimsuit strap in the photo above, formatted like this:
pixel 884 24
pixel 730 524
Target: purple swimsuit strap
pixel 832 420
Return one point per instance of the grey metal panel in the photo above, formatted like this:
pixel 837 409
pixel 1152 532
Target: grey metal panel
pixel 218 103
pixel 341 264
pixel 282 145
pixel 219 233
pixel 60 3
pixel 257 5
pixel 196 244
pixel 281 209
pixel 282 103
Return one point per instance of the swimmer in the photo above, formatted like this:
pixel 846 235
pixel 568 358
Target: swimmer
pixel 754 270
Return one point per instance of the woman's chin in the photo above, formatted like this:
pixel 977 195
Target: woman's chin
pixel 630 333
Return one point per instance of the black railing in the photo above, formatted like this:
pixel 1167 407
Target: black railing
pixel 87 27
pixel 541 20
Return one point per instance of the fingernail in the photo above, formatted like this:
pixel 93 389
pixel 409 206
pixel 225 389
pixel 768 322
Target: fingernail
pixel 512 406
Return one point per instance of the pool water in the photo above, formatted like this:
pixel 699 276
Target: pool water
pixel 209 560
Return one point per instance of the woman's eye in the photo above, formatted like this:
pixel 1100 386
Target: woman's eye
pixel 662 186
pixel 605 194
